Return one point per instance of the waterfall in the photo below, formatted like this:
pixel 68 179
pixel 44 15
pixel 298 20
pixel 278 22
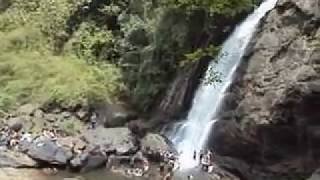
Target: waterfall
pixel 191 135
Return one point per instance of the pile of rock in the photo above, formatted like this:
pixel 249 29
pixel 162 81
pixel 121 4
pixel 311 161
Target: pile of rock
pixel 93 148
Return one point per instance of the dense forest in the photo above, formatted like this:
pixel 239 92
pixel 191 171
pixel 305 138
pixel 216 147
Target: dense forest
pixel 70 52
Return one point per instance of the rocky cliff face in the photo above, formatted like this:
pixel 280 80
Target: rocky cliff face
pixel 273 114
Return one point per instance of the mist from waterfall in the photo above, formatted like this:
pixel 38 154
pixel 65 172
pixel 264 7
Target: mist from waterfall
pixel 191 135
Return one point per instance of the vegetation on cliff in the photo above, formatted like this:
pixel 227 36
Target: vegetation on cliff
pixel 31 70
pixel 77 51
pixel 225 7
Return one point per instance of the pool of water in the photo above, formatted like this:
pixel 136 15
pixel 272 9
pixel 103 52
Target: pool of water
pixel 105 175
pixel 94 175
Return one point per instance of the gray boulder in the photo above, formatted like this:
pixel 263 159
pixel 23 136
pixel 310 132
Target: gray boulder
pixel 91 159
pixel 94 161
pixel 49 152
pixel 18 123
pixel 154 142
pixel 76 162
pixel 117 140
pixel 114 115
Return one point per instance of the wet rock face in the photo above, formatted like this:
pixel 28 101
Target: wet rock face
pixel 154 142
pixel 277 90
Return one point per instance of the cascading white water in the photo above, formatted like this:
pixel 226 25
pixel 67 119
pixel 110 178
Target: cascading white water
pixel 192 134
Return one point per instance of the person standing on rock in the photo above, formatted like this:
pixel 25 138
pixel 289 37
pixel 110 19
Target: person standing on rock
pixel 168 176
pixel 211 156
pixel 190 177
pixel 201 154
pixel 195 155
pixel 161 169
pixel 145 165
pixel 93 121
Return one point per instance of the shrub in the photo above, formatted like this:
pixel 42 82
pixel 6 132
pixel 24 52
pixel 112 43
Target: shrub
pixel 89 40
pixel 71 127
pixel 44 78
pixel 30 73
pixel 224 7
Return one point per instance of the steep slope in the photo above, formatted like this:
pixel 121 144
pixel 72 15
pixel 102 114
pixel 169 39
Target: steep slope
pixel 271 114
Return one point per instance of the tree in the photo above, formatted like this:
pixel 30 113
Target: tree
pixel 225 7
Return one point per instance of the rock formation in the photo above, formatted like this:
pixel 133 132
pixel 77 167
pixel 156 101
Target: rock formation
pixel 273 114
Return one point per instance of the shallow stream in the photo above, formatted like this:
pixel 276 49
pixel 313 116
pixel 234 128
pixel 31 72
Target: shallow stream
pixel 104 175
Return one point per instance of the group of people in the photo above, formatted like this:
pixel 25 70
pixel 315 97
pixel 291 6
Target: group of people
pixel 13 137
pixel 168 165
pixel 139 170
pixel 8 137
pixel 168 161
pixel 139 165
pixel 206 159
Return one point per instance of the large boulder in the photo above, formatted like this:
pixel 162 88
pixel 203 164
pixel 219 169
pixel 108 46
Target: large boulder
pixel 119 140
pixel 225 140
pixel 114 115
pixel 20 122
pixel 154 142
pixel 15 160
pixel 68 143
pixel 94 161
pixel 92 158
pixel 138 128
pixel 49 152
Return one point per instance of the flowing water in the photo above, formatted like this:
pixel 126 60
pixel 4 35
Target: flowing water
pixel 191 135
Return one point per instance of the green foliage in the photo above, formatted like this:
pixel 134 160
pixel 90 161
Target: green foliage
pixel 31 77
pixel 191 58
pixel 112 9
pixel 23 39
pixel 49 16
pixel 90 65
pixel 71 127
pixel 149 83
pixel 225 7
pixel 210 52
pixel 30 73
pixel 89 40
